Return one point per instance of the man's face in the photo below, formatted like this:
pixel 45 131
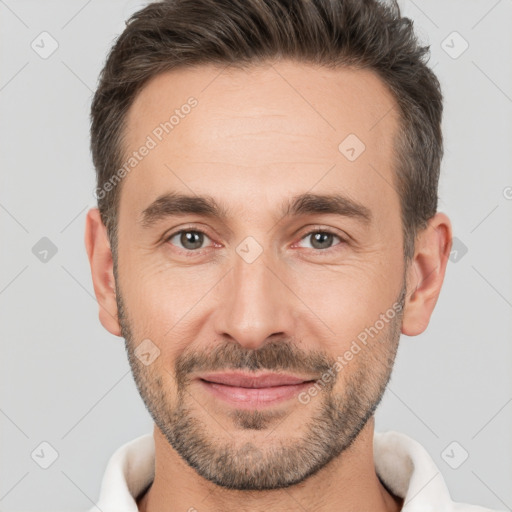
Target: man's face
pixel 261 290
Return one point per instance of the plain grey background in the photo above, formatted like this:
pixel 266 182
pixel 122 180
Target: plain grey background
pixel 65 381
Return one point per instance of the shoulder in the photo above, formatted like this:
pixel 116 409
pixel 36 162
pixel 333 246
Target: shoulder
pixel 408 471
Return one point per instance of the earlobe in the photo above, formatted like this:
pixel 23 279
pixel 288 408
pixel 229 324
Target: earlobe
pixel 101 263
pixel 425 274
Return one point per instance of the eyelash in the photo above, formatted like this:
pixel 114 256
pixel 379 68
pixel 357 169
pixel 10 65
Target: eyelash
pixel 190 252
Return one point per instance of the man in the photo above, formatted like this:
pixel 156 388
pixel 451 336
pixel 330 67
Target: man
pixel 266 229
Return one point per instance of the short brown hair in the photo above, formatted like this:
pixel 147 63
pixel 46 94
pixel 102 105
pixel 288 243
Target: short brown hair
pixel 366 34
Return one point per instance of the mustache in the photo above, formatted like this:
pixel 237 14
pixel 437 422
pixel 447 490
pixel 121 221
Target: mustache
pixel 274 355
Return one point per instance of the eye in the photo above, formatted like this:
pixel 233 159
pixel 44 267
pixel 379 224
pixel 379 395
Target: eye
pixel 321 239
pixel 190 239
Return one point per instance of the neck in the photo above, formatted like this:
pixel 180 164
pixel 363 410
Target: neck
pixel 347 483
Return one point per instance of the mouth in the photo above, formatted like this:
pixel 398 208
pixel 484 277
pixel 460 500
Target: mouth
pixel 248 391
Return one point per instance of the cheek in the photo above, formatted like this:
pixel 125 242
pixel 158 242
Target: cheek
pixel 347 299
pixel 166 305
pixel 159 293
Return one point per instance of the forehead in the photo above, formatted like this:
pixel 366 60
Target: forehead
pixel 256 134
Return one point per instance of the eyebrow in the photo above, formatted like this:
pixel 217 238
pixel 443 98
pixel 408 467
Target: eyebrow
pixel 175 204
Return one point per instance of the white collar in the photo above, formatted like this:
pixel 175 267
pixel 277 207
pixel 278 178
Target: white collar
pixel 401 463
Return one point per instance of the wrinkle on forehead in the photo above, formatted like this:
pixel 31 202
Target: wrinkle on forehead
pixel 295 101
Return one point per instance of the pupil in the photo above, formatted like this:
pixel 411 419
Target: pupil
pixel 321 238
pixel 187 239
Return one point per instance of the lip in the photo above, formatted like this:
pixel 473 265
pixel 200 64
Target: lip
pixel 248 391
pixel 248 380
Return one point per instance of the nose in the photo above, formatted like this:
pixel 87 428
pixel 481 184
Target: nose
pixel 254 304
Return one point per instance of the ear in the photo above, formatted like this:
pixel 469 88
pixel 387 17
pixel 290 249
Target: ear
pixel 425 274
pixel 100 260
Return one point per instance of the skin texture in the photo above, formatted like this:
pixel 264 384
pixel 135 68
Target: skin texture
pixel 256 138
